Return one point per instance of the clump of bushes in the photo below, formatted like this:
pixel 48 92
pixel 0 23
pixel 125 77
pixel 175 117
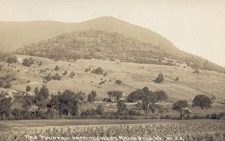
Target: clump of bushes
pixel 54 77
pixel 99 71
pixel 12 59
pixel 5 82
pixel 28 62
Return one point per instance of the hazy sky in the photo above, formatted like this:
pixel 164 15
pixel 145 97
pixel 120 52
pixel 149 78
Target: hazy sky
pixel 195 26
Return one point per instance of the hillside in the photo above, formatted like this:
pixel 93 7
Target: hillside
pixel 132 75
pixel 104 45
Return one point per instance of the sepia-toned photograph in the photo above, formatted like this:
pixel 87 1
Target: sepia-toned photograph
pixel 112 70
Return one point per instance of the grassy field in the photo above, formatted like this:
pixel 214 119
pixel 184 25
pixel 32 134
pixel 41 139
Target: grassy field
pixel 188 130
pixel 132 75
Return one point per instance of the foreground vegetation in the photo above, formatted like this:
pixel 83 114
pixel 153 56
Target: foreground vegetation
pixel 196 130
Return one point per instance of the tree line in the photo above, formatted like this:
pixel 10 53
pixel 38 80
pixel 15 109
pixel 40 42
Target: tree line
pixel 68 104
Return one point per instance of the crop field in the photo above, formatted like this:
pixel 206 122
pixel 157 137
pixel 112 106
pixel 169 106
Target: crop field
pixel 72 130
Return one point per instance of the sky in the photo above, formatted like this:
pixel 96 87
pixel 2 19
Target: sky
pixel 194 26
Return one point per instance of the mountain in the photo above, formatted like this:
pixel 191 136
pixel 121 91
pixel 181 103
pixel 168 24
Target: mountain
pixel 101 38
pixel 25 33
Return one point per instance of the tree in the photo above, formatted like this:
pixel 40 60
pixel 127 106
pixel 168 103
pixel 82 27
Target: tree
pixel 160 78
pixel 100 109
pixel 99 70
pixel 56 67
pixel 12 59
pixel 48 77
pixel 160 110
pixel 118 82
pixel 148 101
pixel 43 93
pixel 5 104
pixel 202 101
pixel 65 72
pixel 122 108
pixel 92 96
pixel 36 90
pixel 160 95
pixel 68 102
pixel 28 62
pixel 135 96
pixel 180 106
pixel 115 95
pixel 197 71
pixel 28 88
pixel 56 77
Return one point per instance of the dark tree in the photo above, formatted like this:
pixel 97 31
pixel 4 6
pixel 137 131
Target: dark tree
pixel 100 109
pixel 5 104
pixel 65 72
pixel 56 77
pixel 12 59
pixel 197 71
pixel 48 77
pixel 115 95
pixel 148 101
pixel 43 93
pixel 92 96
pixel 99 70
pixel 28 88
pixel 28 62
pixel 160 78
pixel 68 102
pixel 36 91
pixel 135 96
pixel 160 110
pixel 180 106
pixel 202 101
pixel 122 108
pixel 118 82
pixel 160 95
pixel 56 67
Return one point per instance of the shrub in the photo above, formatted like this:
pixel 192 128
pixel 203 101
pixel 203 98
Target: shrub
pixel 214 116
pixel 12 59
pixel 28 62
pixel 118 82
pixel 64 73
pixel 99 70
pixel 7 85
pixel 72 74
pixel 160 78
pixel 56 77
pixel 197 71
pixel 56 67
